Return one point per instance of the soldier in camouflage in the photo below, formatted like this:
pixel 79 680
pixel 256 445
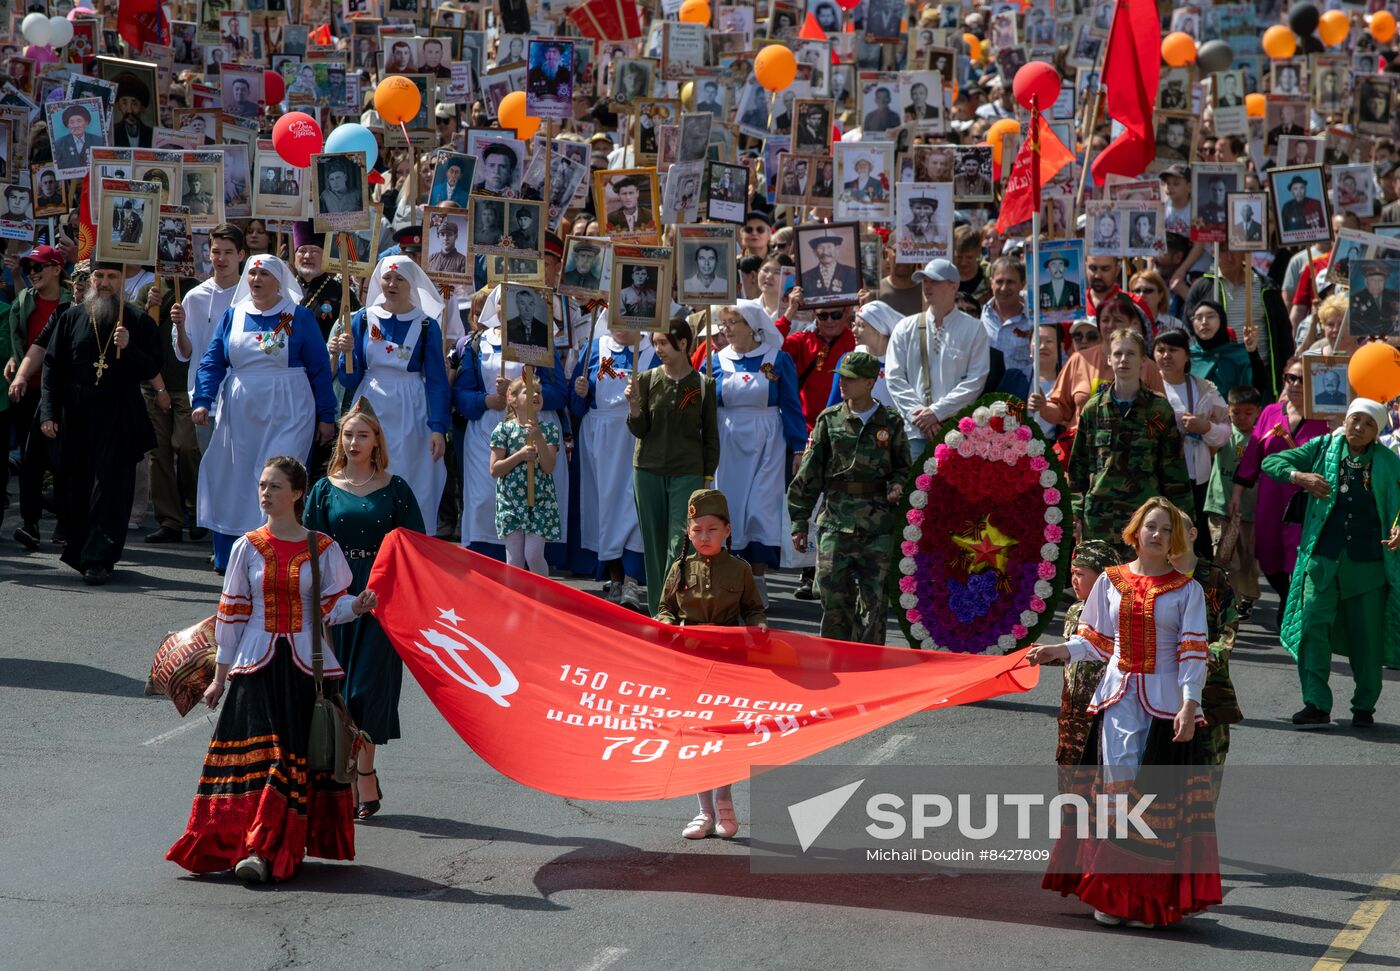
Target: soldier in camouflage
pixel 1090 558
pixel 857 456
pixel 1127 450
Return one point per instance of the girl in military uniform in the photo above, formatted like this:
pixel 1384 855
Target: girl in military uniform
pixel 711 587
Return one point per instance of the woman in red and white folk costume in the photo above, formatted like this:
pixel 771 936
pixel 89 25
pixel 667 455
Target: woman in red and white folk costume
pixel 1148 622
pixel 259 809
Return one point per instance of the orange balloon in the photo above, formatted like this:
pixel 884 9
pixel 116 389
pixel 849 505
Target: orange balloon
pixel 1279 42
pixel 998 131
pixel 775 67
pixel 1178 49
pixel 511 114
pixel 1374 371
pixel 695 12
pixel 397 99
pixel 1254 105
pixel 1382 26
pixel 1333 27
pixel 974 46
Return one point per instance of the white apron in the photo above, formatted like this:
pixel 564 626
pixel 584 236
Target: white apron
pixel 607 512
pixel 752 451
pixel 400 399
pixel 266 409
pixel 478 488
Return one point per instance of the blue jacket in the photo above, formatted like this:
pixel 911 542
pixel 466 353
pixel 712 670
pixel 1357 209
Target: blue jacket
pixel 469 391
pixel 305 349
pixel 427 358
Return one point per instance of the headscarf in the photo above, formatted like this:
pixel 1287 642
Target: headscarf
pixel 880 315
pixel 490 318
pixel 291 289
pixel 1371 409
pixel 1222 336
pixel 765 332
pixel 424 295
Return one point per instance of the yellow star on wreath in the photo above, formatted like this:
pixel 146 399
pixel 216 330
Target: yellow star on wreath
pixel 986 548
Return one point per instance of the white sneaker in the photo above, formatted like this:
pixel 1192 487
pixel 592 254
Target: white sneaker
pixel 762 584
pixel 612 592
pixel 251 868
pixel 726 823
pixel 633 597
pixel 1107 920
pixel 699 827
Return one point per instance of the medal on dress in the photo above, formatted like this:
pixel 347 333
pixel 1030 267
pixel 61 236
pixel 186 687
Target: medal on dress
pixel 403 352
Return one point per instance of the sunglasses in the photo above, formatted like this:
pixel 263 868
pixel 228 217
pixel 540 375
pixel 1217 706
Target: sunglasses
pixel 1292 379
pixel 1084 336
pixel 756 229
pixel 830 314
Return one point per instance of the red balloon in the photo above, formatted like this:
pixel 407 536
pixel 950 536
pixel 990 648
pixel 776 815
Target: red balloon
pixel 274 88
pixel 297 137
pixel 848 4
pixel 1036 81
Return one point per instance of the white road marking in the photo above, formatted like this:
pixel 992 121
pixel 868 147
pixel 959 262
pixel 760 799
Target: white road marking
pixel 887 750
pixel 167 736
pixel 605 958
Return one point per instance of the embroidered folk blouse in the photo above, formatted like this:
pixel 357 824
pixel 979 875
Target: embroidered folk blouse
pixel 258 604
pixel 1152 633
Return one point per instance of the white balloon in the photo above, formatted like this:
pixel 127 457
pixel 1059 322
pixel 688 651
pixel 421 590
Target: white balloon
pixel 35 28
pixel 60 31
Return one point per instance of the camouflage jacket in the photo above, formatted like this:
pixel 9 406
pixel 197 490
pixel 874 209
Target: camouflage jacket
pixel 1120 461
pixel 854 464
pixel 1219 704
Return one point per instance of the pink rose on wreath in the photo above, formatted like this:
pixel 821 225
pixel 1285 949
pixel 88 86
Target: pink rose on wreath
pixel 1054 534
pixel 1039 464
pixel 915 517
pixel 1019 631
pixel 907 584
pixel 967 425
pixel 913 615
pixel 1052 497
pixel 1046 570
pixel 1023 433
pixel 909 548
pixel 942 453
pixel 1038 605
pixel 924 483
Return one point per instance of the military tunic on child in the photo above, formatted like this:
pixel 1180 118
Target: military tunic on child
pixel 718 590
pixel 853 459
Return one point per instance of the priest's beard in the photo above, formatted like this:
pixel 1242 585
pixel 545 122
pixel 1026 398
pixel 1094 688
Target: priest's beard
pixel 101 308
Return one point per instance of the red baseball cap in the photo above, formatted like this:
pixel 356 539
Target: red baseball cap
pixel 42 256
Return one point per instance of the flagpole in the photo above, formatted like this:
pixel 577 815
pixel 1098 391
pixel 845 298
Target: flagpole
pixel 1034 134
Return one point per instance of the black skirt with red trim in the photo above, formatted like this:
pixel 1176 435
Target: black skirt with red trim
pixel 1158 881
pixel 255 793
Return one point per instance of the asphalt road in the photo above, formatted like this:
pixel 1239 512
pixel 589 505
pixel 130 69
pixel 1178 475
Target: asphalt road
pixel 464 868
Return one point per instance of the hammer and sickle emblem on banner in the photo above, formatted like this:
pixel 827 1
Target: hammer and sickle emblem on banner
pixel 450 653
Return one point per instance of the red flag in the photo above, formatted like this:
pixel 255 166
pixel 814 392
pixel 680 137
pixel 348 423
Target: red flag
pixel 608 19
pixel 87 229
pixel 321 36
pixel 567 693
pixel 1132 70
pixel 811 30
pixel 142 22
pixel 1040 159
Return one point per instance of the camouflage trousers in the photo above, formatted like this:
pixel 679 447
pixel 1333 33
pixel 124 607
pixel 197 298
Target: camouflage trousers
pixel 852 570
pixel 1081 680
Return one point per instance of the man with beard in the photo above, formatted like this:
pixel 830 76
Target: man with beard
pixel 96 360
pixel 133 98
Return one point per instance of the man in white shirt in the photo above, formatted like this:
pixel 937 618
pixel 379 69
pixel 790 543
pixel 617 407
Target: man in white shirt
pixel 197 316
pixel 953 344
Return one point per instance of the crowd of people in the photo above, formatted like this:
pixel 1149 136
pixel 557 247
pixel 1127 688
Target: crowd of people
pixel 265 395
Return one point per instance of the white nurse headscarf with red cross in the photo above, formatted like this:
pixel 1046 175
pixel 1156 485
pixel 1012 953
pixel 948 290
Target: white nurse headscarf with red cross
pixel 291 289
pixel 422 292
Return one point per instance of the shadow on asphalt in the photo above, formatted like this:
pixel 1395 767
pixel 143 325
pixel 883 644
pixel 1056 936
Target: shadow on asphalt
pixel 20 672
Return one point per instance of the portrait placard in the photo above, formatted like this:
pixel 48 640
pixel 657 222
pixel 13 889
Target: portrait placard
pixel 1300 205
pixel 1326 390
pixel 924 223
pixel 1211 182
pixel 864 174
pixel 1353 189
pixel 1374 310
pixel 528 335
pixel 647 118
pixel 452 179
pixel 360 253
pixel 1248 229
pixel 1061 293
pixel 811 125
pixel 727 191
pixel 175 249
pixel 973 179
pixel 549 82
pixel 1374 103
pixel 1146 227
pixel 499 163
pixel 1176 138
pixel 506 227
pixel 75 127
pixel 444 254
pixel 340 199
pixel 627 200
pixel 277 192
pixel 202 192
pixel 828 264
pixel 126 226
pixel 706 264
pixel 1104 233
pixel 585 273
pixel 49 197
pixel 640 287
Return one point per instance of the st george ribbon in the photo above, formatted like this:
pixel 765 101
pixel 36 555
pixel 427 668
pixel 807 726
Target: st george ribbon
pixel 567 693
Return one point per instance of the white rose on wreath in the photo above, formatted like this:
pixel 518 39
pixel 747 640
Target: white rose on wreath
pixel 907 567
pixel 1053 515
pixel 1035 448
pixel 1048 479
pixel 1043 589
pixel 1050 552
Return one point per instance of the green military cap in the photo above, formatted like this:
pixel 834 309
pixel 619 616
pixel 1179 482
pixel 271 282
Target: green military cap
pixel 708 502
pixel 1095 554
pixel 859 364
pixel 1375 269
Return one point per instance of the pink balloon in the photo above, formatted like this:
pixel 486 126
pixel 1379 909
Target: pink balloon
pixel 41 55
pixel 77 12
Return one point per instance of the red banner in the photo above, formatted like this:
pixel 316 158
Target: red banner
pixel 567 693
pixel 142 22
pixel 1040 159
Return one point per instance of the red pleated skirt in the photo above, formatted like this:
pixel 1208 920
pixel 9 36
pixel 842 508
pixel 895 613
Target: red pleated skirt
pixel 255 794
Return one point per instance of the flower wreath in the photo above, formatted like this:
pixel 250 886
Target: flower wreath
pixel 983 551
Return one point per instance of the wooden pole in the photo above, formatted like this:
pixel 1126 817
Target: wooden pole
pixel 1311 335
pixel 121 312
pixel 349 356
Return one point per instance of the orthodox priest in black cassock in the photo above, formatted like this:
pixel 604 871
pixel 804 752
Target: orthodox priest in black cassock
pixel 93 372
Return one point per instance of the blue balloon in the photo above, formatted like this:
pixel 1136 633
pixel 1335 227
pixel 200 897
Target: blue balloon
pixel 351 137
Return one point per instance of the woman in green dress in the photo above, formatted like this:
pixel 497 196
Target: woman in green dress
pixel 357 504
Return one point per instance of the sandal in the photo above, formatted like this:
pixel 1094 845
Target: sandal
pixel 367 809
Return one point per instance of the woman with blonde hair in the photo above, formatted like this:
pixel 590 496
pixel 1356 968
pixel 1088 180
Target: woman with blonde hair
pixel 1331 315
pixel 1149 285
pixel 1147 622
pixel 358 504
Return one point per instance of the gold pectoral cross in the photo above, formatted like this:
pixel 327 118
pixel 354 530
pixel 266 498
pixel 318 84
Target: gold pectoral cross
pixel 100 365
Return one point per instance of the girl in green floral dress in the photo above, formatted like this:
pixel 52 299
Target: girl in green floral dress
pixel 516 442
